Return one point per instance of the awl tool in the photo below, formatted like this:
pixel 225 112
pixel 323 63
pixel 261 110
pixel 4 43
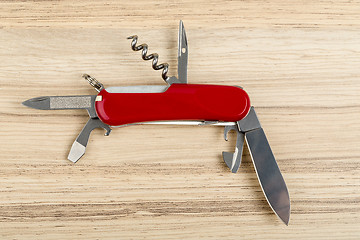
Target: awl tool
pixel 179 103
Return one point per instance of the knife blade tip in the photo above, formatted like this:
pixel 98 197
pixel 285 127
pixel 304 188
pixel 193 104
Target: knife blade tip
pixel 286 220
pixel 284 215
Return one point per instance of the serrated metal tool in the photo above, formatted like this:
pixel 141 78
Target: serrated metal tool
pixel 179 103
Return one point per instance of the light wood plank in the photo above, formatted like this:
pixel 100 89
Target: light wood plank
pixel 299 62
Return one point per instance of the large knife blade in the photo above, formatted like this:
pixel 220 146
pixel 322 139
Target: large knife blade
pixel 271 181
pixel 268 173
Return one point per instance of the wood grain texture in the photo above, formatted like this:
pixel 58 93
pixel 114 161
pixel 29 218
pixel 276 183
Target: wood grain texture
pixel 298 60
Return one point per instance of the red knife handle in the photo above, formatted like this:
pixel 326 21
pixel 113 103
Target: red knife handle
pixel 178 102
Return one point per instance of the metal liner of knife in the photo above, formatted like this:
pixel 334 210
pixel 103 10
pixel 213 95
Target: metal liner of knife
pixel 180 103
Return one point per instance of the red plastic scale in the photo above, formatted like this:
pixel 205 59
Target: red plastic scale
pixel 178 102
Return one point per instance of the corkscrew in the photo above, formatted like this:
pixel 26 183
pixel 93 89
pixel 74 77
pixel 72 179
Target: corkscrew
pixel 182 57
pixel 154 56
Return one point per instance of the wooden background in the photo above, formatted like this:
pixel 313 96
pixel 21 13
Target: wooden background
pixel 298 60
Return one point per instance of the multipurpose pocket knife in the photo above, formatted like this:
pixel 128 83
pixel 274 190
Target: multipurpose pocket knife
pixel 179 103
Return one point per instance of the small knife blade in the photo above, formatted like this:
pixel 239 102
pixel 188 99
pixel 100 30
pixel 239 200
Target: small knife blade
pixel 182 54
